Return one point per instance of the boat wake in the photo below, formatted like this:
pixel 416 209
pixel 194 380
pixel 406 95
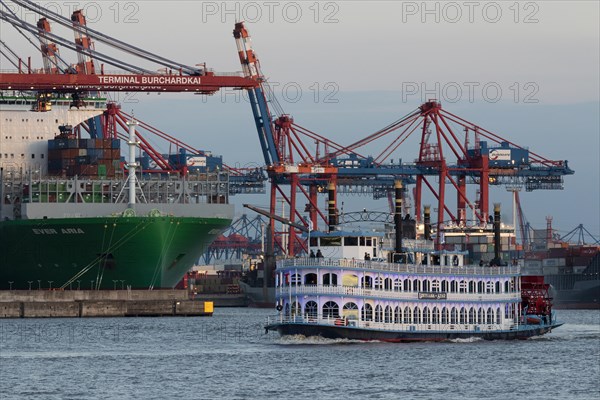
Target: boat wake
pixel 465 340
pixel 293 340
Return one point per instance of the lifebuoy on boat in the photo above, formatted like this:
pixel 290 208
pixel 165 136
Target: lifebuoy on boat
pixel 279 307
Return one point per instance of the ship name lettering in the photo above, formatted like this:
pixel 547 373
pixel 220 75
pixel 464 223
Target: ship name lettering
pixel 45 231
pixel 72 231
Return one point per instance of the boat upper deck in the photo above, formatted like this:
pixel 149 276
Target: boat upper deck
pixel 394 267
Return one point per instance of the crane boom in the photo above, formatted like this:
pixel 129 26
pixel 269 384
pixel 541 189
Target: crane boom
pixel 258 101
pixel 206 84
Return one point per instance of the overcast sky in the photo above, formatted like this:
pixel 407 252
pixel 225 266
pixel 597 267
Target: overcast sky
pixel 528 71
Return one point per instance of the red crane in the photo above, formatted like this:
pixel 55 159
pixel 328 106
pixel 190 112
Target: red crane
pixel 453 152
pixel 86 76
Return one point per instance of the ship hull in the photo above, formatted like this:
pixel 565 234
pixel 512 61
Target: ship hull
pixel 352 333
pixel 104 252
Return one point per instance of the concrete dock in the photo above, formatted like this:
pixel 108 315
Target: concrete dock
pixel 100 303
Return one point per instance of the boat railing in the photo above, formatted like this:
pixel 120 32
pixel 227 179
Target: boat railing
pixel 393 267
pixel 389 294
pixel 195 188
pixel 391 326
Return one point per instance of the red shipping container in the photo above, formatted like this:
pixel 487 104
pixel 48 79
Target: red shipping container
pixel 589 251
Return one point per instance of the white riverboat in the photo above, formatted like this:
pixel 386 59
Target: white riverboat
pixel 424 295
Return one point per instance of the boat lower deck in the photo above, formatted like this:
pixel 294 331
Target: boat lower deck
pixel 340 329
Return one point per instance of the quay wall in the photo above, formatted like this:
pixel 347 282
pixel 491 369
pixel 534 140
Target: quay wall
pixel 78 304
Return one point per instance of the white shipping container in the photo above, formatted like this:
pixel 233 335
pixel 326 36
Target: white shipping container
pixel 533 263
pixel 554 262
pixel 532 271
pixel 550 262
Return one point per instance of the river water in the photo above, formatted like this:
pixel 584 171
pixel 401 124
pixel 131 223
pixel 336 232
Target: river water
pixel 228 356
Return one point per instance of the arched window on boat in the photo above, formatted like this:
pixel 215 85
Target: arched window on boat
pixel 366 282
pixel 311 309
pixel 444 315
pixel 331 310
pixel 407 285
pixel 398 315
pixel 498 316
pixel 472 318
pixel 330 279
pixel 378 313
pixel 497 285
pixel 310 279
pixel 453 286
pixel 286 310
pixel 407 315
pixel 426 285
pixel 417 315
pixel 453 316
pixel 387 283
pixel 416 285
pixel 398 285
pixel 350 310
pixel 480 287
pixel 462 286
pixel 378 282
pixel 295 279
pixel 296 309
pixel 490 316
pixel 366 312
pixel 426 315
pixel 506 286
pixel 387 315
pixel 435 285
pixel 489 287
pixel 444 285
pixel 462 316
pixel 480 316
pixel 435 315
pixel 471 287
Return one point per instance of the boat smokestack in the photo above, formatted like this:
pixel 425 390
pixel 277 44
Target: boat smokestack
pixel 131 164
pixel 331 207
pixel 497 259
pixel 427 222
pixel 398 216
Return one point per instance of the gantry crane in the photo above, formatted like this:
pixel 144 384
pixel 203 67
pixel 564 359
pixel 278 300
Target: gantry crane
pixel 86 79
pixel 88 76
pixel 480 157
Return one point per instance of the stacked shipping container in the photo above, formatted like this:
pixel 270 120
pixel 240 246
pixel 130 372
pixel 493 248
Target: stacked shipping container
pixel 99 158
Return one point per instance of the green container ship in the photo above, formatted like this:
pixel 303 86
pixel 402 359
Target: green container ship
pixel 114 230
